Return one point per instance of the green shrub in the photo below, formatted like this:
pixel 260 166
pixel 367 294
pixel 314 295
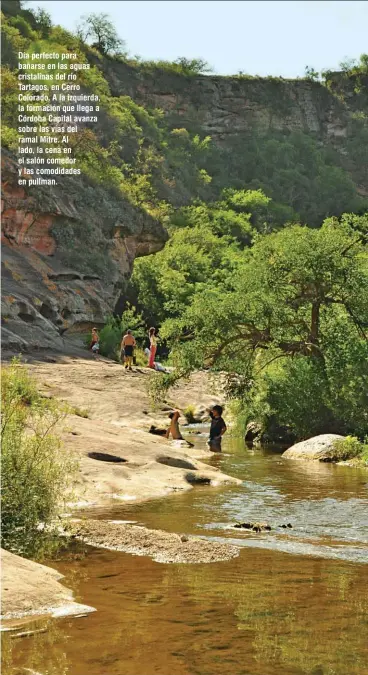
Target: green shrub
pixel 140 358
pixel 23 26
pixel 349 448
pixel 36 474
pixel 158 386
pixel 110 338
pixel 113 331
pixel 189 414
pixel 80 412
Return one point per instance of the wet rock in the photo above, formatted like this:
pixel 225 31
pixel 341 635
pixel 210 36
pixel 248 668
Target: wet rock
pixel 197 480
pixel 320 448
pixel 255 527
pixel 157 432
pixel 253 432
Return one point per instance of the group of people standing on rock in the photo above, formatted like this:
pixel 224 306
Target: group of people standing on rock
pixel 128 344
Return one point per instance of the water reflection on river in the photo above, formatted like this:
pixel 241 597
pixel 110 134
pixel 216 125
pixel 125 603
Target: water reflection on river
pixel 267 612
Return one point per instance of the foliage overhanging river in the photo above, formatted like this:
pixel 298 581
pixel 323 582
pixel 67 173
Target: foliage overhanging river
pixel 293 603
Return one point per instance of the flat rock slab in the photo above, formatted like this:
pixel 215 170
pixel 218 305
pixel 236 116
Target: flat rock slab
pixel 163 547
pixel 29 588
pixel 316 448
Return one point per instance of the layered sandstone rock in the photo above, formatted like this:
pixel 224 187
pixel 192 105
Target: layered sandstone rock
pixel 44 297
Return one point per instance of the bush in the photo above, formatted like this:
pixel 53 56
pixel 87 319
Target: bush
pixel 189 414
pixel 349 448
pixel 110 338
pixel 113 331
pixel 36 474
pixel 158 386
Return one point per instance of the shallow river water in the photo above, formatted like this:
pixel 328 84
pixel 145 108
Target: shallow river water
pixel 295 602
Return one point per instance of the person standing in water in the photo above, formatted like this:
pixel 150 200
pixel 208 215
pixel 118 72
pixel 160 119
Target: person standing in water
pixel 127 344
pixel 153 347
pixel 217 430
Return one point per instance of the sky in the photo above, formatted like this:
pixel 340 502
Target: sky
pixel 258 37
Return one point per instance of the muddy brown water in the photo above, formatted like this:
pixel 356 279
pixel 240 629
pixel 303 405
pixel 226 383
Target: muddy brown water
pixel 293 603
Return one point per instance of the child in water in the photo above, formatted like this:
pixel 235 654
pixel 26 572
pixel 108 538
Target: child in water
pixel 174 426
pixel 217 430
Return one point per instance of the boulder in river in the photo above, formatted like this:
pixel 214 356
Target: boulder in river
pixel 319 448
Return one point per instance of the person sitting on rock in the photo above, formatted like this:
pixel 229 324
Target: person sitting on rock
pixel 217 430
pixel 174 426
pixel 127 344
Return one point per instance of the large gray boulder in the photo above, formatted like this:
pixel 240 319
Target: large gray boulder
pixel 317 448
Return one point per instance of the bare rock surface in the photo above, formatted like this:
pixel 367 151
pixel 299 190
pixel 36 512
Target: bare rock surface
pixel 108 433
pixel 316 448
pixel 51 288
pixel 29 588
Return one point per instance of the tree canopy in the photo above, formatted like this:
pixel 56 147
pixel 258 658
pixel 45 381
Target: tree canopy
pixel 100 30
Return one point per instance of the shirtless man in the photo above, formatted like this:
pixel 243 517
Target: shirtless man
pixel 127 344
pixel 95 342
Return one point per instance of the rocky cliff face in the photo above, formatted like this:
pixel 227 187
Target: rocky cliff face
pixel 223 106
pixel 50 288
pixel 68 251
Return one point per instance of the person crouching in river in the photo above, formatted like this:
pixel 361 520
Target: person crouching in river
pixel 217 430
pixel 153 347
pixel 127 344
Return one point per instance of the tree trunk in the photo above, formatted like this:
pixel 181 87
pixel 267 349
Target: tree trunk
pixel 314 331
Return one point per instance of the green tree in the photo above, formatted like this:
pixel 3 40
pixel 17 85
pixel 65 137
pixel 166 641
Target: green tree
pixel 99 29
pixel 44 23
pixel 288 298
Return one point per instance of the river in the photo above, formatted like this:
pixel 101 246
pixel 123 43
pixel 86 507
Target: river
pixel 294 602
